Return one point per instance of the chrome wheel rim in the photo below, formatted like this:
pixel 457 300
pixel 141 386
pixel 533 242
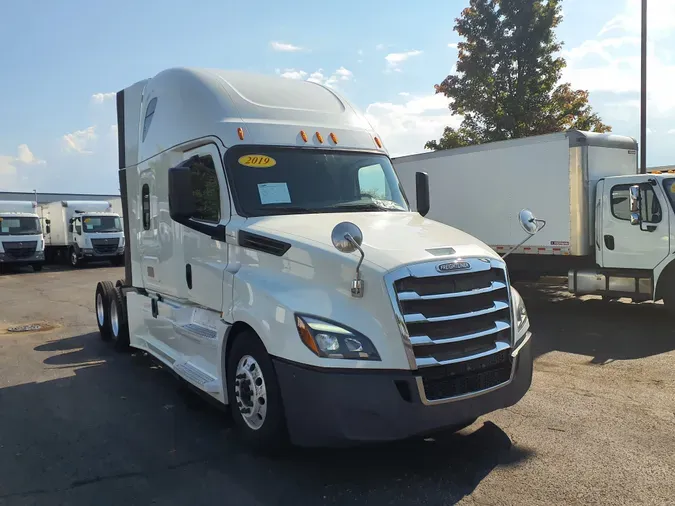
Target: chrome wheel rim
pixel 100 311
pixel 250 392
pixel 73 258
pixel 114 319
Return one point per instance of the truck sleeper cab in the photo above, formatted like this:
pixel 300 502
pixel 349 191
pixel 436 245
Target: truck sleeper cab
pixel 21 239
pixel 274 263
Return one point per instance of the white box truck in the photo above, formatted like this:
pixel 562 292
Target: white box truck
pixel 609 228
pixel 83 231
pixel 21 239
pixel 275 265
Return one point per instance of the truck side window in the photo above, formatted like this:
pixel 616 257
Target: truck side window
pixel 145 202
pixel 149 113
pixel 78 226
pixel 205 189
pixel 651 208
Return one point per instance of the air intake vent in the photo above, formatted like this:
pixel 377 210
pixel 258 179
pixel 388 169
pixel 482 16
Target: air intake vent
pixel 262 243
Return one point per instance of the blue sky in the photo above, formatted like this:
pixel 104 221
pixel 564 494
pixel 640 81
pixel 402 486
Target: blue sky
pixel 62 61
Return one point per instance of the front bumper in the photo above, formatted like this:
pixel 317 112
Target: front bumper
pixel 330 408
pixel 37 258
pixel 93 253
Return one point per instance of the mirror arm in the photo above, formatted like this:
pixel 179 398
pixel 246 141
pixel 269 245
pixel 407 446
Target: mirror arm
pixel 357 282
pixel 543 224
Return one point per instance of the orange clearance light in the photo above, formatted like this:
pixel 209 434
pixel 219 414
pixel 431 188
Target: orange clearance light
pixel 240 133
pixel 303 135
pixel 656 172
pixel 319 137
pixel 377 141
pixel 333 137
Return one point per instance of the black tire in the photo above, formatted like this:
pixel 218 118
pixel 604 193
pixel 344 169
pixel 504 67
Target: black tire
pixel 75 262
pixel 119 283
pixel 37 267
pixel 104 291
pixel 119 325
pixel 272 434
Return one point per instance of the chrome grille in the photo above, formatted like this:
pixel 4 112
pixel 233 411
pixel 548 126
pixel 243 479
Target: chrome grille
pixel 458 325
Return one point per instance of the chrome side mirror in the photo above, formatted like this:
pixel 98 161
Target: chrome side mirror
pixel 634 198
pixel 347 238
pixel 528 222
pixel 635 204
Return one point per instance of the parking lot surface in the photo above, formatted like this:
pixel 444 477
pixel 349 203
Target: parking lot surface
pixel 81 424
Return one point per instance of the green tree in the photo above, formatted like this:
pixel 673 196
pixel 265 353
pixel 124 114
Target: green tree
pixel 507 80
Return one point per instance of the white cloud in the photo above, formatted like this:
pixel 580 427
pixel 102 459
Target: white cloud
pixel 404 94
pixel 452 45
pixel 380 47
pixel 394 60
pixel 80 141
pixel 285 47
pixel 99 98
pixel 671 131
pixel 10 165
pixel 660 19
pixel 360 52
pixel 293 74
pixel 406 127
pixel 318 76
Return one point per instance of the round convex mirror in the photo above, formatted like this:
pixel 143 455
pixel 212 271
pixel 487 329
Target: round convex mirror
pixel 338 236
pixel 528 221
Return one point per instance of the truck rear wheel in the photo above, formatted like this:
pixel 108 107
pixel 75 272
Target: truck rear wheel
pixel 104 291
pixel 119 325
pixel 254 394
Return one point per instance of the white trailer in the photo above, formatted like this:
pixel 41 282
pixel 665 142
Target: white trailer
pixel 83 231
pixel 608 227
pixel 21 239
pixel 276 266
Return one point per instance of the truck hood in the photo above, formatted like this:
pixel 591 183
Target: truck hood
pixel 390 239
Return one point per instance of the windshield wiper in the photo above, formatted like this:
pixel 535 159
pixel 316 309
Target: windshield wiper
pixel 366 206
pixel 287 210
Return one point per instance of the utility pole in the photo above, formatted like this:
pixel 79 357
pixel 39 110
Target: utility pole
pixel 643 92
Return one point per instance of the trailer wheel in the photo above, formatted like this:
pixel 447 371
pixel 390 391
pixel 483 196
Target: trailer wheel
pixel 119 325
pixel 254 393
pixel 104 291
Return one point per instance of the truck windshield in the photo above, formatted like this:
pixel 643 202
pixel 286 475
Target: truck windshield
pixel 669 187
pixel 100 224
pixel 268 181
pixel 15 225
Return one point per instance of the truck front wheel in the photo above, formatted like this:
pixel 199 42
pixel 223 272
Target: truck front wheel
pixel 74 259
pixel 254 394
pixel 104 293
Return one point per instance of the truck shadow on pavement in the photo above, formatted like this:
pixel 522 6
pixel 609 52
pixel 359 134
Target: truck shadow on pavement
pixel 605 331
pixel 115 426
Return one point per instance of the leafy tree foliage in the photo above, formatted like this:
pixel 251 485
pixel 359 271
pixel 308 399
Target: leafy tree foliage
pixel 507 81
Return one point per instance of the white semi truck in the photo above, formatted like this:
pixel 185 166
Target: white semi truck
pixel 21 239
pixel 608 228
pixel 274 264
pixel 83 231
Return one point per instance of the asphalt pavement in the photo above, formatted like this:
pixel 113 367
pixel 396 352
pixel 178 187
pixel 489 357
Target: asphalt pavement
pixel 81 424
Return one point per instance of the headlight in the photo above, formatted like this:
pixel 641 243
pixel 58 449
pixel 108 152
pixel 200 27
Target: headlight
pixel 521 319
pixel 329 340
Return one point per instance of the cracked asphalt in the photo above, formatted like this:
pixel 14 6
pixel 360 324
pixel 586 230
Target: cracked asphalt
pixel 81 424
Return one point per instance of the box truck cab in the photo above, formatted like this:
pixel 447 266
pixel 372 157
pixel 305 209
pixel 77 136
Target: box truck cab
pixel 275 265
pixel 608 228
pixel 85 230
pixel 21 239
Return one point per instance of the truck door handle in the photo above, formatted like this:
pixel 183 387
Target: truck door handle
pixel 188 276
pixel 609 242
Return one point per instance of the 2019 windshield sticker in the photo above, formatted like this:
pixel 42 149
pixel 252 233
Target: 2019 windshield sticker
pixel 258 161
